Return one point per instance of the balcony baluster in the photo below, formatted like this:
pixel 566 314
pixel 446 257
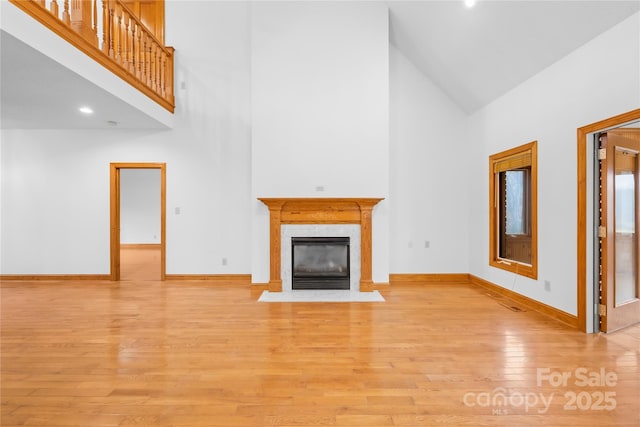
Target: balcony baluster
pixel 109 32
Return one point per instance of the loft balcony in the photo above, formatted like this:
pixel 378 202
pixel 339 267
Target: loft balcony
pixel 111 51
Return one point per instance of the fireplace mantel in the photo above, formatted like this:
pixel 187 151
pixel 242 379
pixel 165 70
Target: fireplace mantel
pixel 320 211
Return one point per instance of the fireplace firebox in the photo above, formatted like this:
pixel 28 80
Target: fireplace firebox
pixel 320 263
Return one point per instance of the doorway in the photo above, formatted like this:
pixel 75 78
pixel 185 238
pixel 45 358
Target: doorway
pixel 138 231
pixel 618 246
pixel 589 304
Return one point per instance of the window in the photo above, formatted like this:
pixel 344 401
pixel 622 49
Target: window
pixel 513 239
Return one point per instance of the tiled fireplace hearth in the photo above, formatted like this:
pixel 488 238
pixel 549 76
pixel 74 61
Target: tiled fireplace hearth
pixel 313 217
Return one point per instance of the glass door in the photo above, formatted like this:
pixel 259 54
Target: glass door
pixel 619 242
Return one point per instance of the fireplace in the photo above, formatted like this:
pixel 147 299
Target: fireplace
pixel 320 217
pixel 291 231
pixel 320 263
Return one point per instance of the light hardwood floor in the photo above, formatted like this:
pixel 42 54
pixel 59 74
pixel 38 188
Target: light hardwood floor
pixel 140 263
pixel 195 353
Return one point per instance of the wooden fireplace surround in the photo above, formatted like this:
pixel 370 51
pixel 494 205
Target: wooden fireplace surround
pixel 320 211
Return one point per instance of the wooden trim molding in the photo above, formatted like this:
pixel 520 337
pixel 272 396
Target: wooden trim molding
pixel 22 277
pixel 562 316
pixel 582 204
pixel 429 278
pixel 244 279
pixel 114 196
pixel 140 246
pixel 526 154
pixel 320 211
pixel 381 285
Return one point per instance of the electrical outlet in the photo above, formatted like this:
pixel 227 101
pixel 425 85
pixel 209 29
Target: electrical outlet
pixel 547 285
pixel 320 188
pixel 224 261
pixel 177 210
pixel 427 244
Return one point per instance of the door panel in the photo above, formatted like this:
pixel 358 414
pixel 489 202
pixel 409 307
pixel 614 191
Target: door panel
pixel 620 244
pixel 626 265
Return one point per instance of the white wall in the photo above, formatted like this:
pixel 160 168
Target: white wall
pixel 140 206
pixel 55 183
pixel 53 206
pixel 597 81
pixel 429 175
pixel 320 108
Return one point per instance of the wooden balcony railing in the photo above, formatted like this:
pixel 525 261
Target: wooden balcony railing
pixel 109 32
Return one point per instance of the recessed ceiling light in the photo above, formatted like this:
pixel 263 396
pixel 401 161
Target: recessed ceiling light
pixel 85 110
pixel 469 3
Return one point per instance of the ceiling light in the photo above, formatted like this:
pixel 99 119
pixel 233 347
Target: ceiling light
pixel 469 3
pixel 85 110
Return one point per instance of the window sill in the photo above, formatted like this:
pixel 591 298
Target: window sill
pixel 515 267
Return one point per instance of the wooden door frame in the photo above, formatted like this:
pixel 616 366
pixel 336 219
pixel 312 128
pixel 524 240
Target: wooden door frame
pixel 582 272
pixel 115 214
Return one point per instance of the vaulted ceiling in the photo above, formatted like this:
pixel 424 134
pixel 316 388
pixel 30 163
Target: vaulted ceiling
pixel 473 54
pixel 477 54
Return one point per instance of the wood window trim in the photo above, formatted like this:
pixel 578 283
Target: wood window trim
pixel 526 151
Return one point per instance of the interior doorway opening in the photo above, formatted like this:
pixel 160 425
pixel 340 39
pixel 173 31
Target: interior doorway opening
pixel 140 262
pixel 138 221
pixel 617 247
pixel 588 300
